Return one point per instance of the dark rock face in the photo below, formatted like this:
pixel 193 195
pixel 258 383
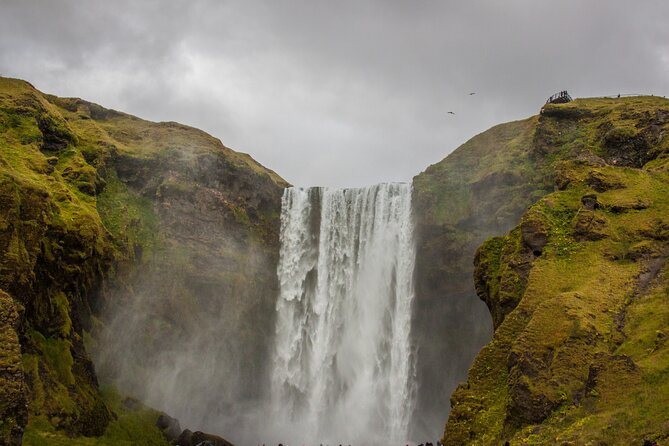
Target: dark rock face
pixel 13 402
pixel 534 232
pixel 189 325
pixel 188 438
pixel 473 194
pixel 169 426
pixel 444 309
pixel 501 267
pixel 561 359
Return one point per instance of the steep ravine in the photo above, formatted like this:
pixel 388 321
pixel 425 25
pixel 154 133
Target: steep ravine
pixel 127 241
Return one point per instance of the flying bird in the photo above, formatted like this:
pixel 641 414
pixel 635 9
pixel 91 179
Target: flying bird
pixel 451 113
pixel 472 93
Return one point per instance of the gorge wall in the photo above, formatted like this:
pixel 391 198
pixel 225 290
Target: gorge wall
pixel 478 191
pixel 137 243
pixel 578 289
pixel 126 238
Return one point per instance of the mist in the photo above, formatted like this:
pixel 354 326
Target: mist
pixel 220 352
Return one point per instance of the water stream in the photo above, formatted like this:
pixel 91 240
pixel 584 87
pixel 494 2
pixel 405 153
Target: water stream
pixel 343 368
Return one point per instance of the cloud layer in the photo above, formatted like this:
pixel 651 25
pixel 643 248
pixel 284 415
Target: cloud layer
pixel 344 93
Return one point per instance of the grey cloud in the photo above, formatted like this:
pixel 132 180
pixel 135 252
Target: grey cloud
pixel 345 93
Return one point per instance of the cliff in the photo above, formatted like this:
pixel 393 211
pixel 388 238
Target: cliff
pixel 152 247
pixel 478 191
pixel 98 208
pixel 578 289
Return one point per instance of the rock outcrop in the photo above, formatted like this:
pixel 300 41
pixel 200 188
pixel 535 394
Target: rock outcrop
pixel 125 239
pixel 578 290
pixel 478 191
pixel 13 403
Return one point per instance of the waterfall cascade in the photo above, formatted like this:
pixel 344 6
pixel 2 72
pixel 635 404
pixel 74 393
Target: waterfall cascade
pixel 343 366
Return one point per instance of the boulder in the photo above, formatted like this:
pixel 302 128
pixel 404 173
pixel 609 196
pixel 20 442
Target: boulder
pixel 169 427
pixel 189 438
pixel 534 232
pixel 589 225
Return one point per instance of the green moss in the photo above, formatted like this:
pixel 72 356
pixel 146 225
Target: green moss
pixel 67 221
pixel 446 192
pixel 582 358
pixel 489 260
pixel 240 214
pixel 57 356
pixel 134 424
pixel 76 171
pixel 128 217
pixel 12 397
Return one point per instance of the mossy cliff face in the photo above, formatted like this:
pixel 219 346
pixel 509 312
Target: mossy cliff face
pixel 54 250
pixel 478 191
pixel 13 404
pixel 91 199
pixel 578 290
pixel 187 329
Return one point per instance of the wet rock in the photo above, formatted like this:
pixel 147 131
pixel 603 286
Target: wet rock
pixel 169 427
pixel 131 403
pixel 189 438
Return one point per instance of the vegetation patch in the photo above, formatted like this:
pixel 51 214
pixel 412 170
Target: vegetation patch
pixel 133 424
pixel 582 357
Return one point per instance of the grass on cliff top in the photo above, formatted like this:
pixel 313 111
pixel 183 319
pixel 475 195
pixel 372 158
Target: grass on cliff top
pixel 502 145
pixel 135 424
pixel 638 104
pixel 140 138
pixel 446 185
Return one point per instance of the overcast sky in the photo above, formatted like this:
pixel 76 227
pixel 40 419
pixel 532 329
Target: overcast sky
pixel 336 93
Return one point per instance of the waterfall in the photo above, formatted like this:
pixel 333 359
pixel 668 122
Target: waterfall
pixel 343 367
